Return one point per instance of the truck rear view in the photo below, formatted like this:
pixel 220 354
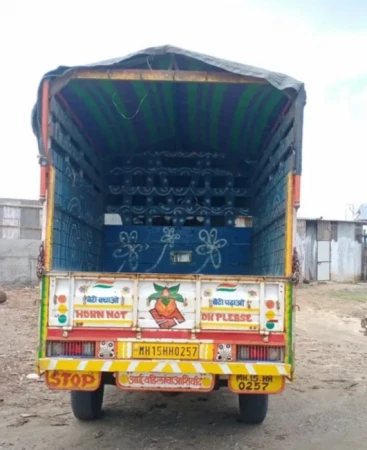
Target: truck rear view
pixel 170 183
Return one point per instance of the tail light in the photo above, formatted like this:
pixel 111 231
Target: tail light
pixel 260 353
pixel 83 349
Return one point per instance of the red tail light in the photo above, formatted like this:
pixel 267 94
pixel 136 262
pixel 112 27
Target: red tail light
pixel 260 353
pixel 83 349
pixel 73 348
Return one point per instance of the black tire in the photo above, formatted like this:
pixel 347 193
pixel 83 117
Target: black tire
pixel 253 408
pixel 87 405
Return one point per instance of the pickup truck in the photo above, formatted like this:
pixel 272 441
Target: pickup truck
pixel 170 183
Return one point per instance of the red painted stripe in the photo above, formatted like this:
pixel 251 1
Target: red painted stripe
pixel 45 132
pixel 240 337
pixel 158 334
pixel 91 334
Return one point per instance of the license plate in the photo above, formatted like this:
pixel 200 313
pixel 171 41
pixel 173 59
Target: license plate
pixel 165 382
pixel 254 384
pixel 165 351
pixel 73 381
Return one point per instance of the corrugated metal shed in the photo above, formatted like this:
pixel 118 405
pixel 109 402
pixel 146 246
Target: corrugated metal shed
pixel 343 241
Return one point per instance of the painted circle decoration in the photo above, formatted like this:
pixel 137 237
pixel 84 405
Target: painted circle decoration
pixel 124 379
pixel 270 315
pixel 61 298
pixel 62 309
pixel 270 304
pixel 206 383
pixel 62 319
pixel 270 325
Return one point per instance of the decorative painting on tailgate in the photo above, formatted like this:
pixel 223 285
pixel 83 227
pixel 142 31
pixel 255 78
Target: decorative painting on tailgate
pixel 167 305
pixel 171 304
pixel 230 306
pixel 272 317
pixel 101 303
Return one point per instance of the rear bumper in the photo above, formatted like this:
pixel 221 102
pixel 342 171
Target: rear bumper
pixel 166 366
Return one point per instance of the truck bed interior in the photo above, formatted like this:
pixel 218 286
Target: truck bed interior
pixel 176 177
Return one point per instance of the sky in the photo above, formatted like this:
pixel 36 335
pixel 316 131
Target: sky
pixel 320 42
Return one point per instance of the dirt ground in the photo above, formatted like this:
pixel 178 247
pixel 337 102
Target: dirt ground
pixel 324 408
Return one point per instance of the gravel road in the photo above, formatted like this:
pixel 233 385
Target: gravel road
pixel 324 408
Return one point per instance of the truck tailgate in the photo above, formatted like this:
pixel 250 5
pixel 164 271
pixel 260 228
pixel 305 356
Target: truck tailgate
pixel 168 303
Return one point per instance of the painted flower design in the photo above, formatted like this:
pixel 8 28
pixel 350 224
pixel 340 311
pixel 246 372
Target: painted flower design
pixel 129 249
pixel 207 293
pixel 168 239
pixel 126 290
pixel 169 236
pixel 210 247
pixel 83 289
pixel 252 293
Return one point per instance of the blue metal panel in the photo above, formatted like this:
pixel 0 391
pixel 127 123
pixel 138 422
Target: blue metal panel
pixel 144 249
pixel 78 208
pixel 78 224
pixel 269 210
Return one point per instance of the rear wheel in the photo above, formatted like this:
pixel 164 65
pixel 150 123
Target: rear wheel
pixel 253 408
pixel 87 405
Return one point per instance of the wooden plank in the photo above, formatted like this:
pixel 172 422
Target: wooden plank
pixel 177 76
pixel 185 76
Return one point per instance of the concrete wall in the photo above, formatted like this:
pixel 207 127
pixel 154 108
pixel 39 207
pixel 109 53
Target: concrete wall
pixel 345 249
pixel 18 261
pixel 20 238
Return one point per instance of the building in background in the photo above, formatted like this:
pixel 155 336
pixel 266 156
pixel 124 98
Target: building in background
pixel 20 238
pixel 331 250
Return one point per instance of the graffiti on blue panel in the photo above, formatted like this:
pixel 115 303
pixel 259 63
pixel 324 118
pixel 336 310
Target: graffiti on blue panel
pixel 168 240
pixel 129 250
pixel 148 249
pixel 210 248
